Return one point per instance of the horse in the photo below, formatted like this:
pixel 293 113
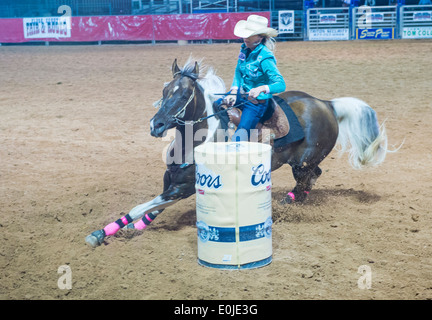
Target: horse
pixel 187 104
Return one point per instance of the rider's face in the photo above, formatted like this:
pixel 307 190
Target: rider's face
pixel 253 41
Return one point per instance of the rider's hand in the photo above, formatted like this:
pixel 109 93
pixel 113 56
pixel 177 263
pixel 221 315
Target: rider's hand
pixel 255 92
pixel 231 98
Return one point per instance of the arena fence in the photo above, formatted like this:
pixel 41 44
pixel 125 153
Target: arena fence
pixel 369 23
pixel 328 24
pixel 313 24
pixel 415 22
pixel 374 23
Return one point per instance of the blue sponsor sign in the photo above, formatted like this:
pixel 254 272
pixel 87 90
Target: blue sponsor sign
pixel 375 33
pixel 223 234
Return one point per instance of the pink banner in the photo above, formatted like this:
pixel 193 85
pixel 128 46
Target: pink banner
pixel 126 28
pixel 182 27
pixel 223 23
pixel 11 30
pixel 108 28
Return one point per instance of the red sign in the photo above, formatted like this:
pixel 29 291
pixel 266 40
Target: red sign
pixel 218 26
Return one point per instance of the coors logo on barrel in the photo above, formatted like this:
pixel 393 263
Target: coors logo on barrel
pixel 209 180
pixel 260 175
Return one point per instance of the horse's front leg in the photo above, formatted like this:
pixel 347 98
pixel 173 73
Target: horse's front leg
pixel 178 184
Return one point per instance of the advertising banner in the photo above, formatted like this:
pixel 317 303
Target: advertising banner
pixel 123 28
pixel 374 17
pixel 286 21
pixel 375 33
pixel 329 34
pixel 47 27
pixel 327 18
pixel 422 16
pixel 417 33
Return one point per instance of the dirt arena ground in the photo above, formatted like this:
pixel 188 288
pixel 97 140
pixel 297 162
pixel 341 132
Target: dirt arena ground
pixel 76 152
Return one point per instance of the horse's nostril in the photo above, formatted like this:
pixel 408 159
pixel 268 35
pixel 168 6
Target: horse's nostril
pixel 158 125
pixel 156 129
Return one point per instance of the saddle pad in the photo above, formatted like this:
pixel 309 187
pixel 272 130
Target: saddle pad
pixel 296 132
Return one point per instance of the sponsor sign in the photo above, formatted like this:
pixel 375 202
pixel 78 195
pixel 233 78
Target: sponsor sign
pixel 286 21
pixel 422 16
pixel 417 32
pixel 47 27
pixel 374 17
pixel 329 34
pixel 375 33
pixel 328 18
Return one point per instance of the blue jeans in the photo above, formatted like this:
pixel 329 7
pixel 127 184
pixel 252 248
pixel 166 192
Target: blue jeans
pixel 251 115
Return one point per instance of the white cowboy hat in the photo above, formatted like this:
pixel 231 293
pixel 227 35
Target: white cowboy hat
pixel 254 25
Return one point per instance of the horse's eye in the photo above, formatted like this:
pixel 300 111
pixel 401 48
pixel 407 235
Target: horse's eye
pixel 164 91
pixel 158 103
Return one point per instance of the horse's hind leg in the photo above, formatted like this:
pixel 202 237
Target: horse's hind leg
pixel 305 178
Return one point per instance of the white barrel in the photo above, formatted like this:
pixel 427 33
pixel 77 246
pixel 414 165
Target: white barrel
pixel 234 204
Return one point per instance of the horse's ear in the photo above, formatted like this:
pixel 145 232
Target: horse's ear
pixel 175 68
pixel 196 69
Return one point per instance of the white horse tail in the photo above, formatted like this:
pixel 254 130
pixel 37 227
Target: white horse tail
pixel 360 133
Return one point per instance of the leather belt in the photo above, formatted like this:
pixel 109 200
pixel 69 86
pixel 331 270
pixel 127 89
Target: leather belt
pixel 258 101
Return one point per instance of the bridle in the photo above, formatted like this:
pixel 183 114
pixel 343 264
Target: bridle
pixel 193 122
pixel 180 121
pixel 190 122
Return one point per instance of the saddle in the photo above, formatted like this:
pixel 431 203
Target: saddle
pixel 273 125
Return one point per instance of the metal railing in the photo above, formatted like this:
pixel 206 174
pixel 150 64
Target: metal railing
pixel 159 6
pixel 328 24
pixel 50 8
pixel 199 6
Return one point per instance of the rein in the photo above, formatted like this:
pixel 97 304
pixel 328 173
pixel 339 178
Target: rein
pixel 193 122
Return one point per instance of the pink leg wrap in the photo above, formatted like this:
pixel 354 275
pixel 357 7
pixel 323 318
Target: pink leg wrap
pixel 111 228
pixel 124 220
pixel 291 195
pixel 140 225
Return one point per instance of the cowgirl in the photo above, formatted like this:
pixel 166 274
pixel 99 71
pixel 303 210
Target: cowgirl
pixel 256 73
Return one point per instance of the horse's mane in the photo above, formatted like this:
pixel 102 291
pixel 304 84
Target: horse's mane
pixel 210 81
pixel 189 68
pixel 212 85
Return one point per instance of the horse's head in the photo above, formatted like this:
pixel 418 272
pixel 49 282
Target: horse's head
pixel 177 103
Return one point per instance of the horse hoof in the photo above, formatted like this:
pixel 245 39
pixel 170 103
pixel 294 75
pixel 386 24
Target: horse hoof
pixel 130 226
pixel 96 238
pixel 288 199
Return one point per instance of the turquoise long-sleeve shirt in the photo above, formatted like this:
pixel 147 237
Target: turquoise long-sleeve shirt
pixel 257 69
